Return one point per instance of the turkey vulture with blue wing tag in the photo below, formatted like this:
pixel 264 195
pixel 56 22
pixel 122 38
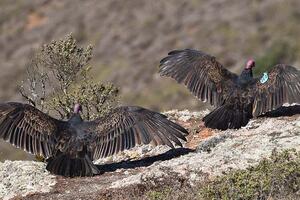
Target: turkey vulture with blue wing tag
pixel 237 98
pixel 70 146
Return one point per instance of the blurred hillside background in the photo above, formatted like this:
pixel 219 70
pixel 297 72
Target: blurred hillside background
pixel 131 36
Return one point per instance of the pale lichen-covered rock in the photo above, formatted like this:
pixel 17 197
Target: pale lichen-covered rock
pixel 146 166
pixel 24 177
pixel 185 115
pixel 233 149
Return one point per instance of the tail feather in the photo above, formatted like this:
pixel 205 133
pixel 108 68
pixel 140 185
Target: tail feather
pixel 62 164
pixel 227 117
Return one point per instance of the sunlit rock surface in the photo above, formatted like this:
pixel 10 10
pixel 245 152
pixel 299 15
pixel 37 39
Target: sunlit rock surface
pixel 207 153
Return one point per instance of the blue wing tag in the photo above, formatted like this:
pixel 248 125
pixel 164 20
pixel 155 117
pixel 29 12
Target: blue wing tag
pixel 264 78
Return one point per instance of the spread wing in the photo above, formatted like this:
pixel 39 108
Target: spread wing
pixel 274 88
pixel 205 77
pixel 28 128
pixel 126 127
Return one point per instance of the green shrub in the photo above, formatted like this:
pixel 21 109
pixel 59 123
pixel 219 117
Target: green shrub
pixel 276 177
pixel 159 195
pixel 58 77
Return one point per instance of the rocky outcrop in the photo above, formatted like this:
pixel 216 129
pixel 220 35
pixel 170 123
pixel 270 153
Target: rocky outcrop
pixel 24 177
pixel 206 154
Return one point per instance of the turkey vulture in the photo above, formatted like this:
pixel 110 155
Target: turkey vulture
pixel 70 146
pixel 237 98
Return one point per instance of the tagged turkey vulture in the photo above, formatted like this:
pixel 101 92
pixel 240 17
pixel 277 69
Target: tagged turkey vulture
pixel 70 146
pixel 236 98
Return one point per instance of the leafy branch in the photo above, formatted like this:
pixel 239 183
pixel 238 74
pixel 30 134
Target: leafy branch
pixel 58 77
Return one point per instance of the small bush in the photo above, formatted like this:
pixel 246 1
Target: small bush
pixel 276 177
pixel 159 195
pixel 57 78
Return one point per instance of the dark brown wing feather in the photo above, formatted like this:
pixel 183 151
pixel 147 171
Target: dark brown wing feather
pixel 282 86
pixel 206 78
pixel 126 127
pixel 28 128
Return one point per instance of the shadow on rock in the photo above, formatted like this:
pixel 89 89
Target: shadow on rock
pixel 283 111
pixel 129 164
